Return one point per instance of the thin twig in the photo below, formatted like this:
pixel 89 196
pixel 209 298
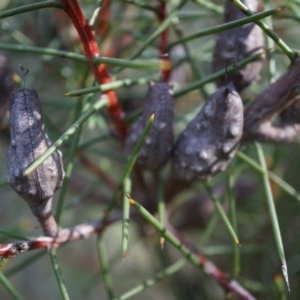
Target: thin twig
pixel 66 235
pixel 48 224
pixel 73 10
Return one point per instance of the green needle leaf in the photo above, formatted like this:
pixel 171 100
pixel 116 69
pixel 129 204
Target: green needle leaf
pixel 222 214
pixel 58 274
pixel 126 215
pixel 130 164
pixel 226 26
pixel 9 287
pixel 273 214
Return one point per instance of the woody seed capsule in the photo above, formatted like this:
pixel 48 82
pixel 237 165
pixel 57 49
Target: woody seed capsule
pixel 28 141
pixel 203 151
pixel 158 144
pixel 238 43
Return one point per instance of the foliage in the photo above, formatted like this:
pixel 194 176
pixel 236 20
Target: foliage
pixel 143 236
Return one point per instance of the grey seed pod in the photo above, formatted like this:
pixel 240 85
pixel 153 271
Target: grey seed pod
pixel 238 43
pixel 28 141
pixel 211 139
pixel 158 144
pixel 277 97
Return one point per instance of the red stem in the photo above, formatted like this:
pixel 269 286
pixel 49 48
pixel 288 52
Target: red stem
pixel 164 56
pixel 91 49
pixel 230 285
pixel 103 17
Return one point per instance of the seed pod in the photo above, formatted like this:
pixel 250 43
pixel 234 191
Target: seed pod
pixel 279 96
pixel 238 43
pixel 28 141
pixel 158 144
pixel 211 139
